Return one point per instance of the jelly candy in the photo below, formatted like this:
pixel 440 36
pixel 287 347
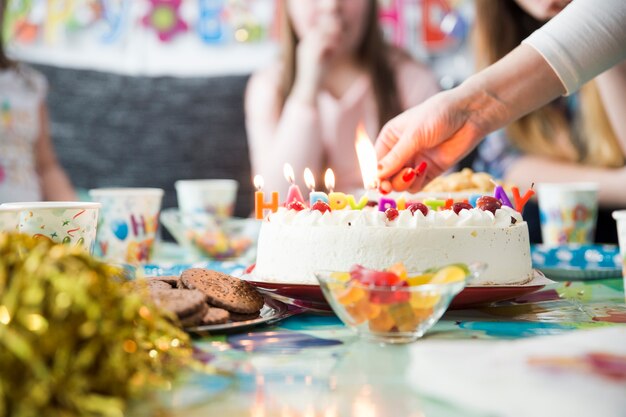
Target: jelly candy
pixel 419 279
pixel 351 295
pixel 422 300
pixel 382 323
pixel 448 274
pixel 399 270
pixel 374 278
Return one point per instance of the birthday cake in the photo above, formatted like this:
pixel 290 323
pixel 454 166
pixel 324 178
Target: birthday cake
pixel 294 244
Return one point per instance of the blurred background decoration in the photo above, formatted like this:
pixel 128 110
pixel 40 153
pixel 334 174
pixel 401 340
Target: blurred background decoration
pixel 210 37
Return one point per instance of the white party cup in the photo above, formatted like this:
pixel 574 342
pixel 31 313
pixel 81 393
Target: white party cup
pixel 568 212
pixel 9 219
pixel 70 222
pixel 129 223
pixel 210 196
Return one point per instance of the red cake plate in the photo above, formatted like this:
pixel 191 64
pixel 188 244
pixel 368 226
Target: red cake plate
pixel 310 295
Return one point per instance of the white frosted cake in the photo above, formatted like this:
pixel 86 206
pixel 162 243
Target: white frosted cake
pixel 294 244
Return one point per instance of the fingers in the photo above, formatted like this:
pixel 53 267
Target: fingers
pixel 396 158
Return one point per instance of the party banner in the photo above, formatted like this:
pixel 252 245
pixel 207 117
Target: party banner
pixel 211 36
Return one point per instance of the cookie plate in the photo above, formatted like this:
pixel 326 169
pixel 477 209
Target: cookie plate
pixel 272 312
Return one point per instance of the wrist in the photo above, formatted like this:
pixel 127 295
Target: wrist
pixel 305 91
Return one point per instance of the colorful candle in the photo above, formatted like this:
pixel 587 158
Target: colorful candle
pixel 260 205
pixel 473 199
pixel 385 203
pixel 314 196
pixel 357 206
pixel 500 194
pixel 293 194
pixel 337 201
pixel 520 202
pixel 434 204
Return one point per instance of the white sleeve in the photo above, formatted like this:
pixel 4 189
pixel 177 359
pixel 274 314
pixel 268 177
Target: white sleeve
pixel 585 39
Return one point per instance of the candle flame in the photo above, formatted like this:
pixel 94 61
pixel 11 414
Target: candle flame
pixel 288 172
pixel 329 180
pixel 309 179
pixel 367 158
pixel 258 182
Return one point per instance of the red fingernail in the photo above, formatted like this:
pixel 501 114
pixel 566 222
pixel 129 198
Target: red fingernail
pixel 380 167
pixel 408 175
pixel 384 187
pixel 421 168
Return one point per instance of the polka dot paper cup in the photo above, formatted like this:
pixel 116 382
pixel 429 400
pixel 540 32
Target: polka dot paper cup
pixel 70 222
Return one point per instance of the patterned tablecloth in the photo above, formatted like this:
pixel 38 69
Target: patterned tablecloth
pixel 558 352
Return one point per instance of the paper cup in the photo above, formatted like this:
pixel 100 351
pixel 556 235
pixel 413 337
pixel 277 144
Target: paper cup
pixel 129 223
pixel 215 197
pixel 568 212
pixel 69 222
pixel 9 219
pixel 620 218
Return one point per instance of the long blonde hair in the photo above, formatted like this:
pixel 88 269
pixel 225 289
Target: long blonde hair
pixel 500 27
pixel 373 54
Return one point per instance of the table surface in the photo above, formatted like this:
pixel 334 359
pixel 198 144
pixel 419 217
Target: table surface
pixel 558 352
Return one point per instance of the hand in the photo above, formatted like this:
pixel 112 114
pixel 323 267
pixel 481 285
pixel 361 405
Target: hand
pixel 314 55
pixel 439 132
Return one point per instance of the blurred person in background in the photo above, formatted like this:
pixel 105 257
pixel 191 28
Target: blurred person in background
pixel 335 72
pixel 29 170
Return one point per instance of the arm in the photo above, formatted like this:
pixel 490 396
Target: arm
pixel 447 126
pixel 529 169
pixel 576 45
pixel 276 137
pixel 612 87
pixel 55 184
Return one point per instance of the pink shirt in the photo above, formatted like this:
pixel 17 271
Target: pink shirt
pixel 320 136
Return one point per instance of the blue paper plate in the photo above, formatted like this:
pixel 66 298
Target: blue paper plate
pixel 577 262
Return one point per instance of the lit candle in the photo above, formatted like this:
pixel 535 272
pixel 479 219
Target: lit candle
pixel 500 194
pixel 260 205
pixel 314 196
pixel 336 200
pixel 366 155
pixel 520 202
pixel 294 193
pixel 329 180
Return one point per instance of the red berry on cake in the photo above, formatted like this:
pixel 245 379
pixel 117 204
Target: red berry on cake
pixel 295 205
pixel 391 213
pixel 419 206
pixel 457 207
pixel 488 203
pixel 321 206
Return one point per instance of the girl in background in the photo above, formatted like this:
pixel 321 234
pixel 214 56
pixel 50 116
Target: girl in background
pixel 29 170
pixel 335 72
pixel 575 138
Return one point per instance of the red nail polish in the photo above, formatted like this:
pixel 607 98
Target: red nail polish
pixel 421 168
pixel 380 167
pixel 408 175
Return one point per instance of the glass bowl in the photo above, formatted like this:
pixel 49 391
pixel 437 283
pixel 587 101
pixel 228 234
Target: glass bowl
pixel 206 237
pixel 389 314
